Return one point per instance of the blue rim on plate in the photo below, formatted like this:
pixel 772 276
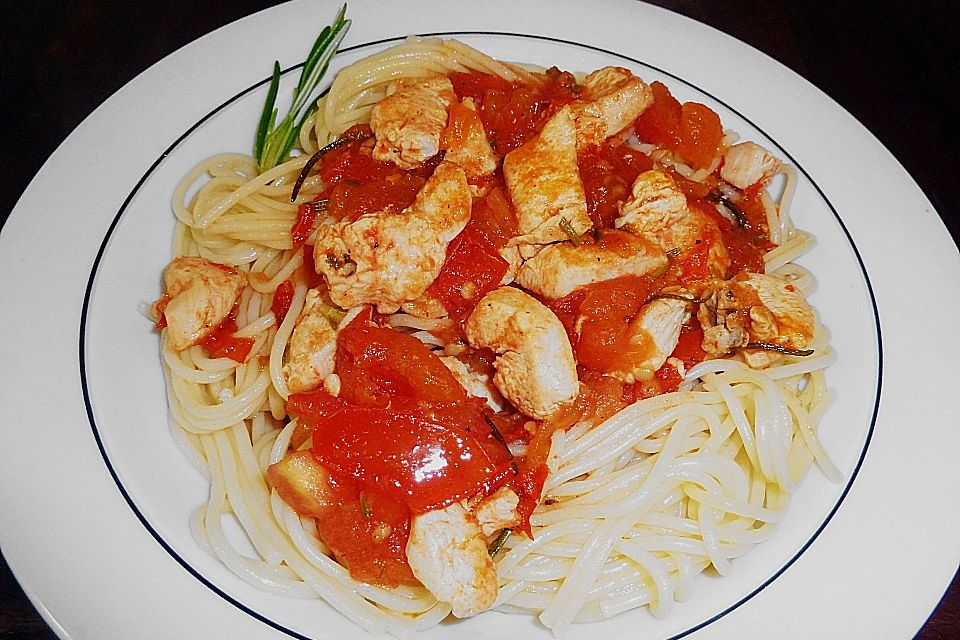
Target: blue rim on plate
pixel 374 43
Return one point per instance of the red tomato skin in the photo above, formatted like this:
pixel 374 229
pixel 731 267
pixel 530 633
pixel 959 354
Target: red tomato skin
pixel 377 364
pixel 701 135
pixel 221 343
pixel 608 173
pixel 282 298
pixel 303 225
pixel 422 463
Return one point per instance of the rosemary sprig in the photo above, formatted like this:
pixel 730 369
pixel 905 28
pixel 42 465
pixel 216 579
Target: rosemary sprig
pixel 273 142
pixel 315 158
pixel 498 543
pixel 675 296
pixel 740 217
pixel 499 438
pixel 365 506
pixel 568 229
pixel 769 346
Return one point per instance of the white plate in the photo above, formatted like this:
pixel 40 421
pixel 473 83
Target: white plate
pixel 96 495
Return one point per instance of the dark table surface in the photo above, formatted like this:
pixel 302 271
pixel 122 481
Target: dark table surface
pixel 893 68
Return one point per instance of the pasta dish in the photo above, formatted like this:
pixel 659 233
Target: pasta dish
pixel 494 337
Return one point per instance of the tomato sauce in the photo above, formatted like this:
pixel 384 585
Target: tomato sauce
pixel 221 343
pixel 368 532
pixel 608 173
pixel 474 266
pixel 512 113
pixel 402 429
pixel 691 130
pixel 403 437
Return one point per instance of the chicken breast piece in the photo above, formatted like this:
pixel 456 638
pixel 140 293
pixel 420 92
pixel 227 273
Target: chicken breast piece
pixel 389 259
pixel 408 122
pixel 746 164
pixel 448 554
pixel 303 483
pixel 312 347
pixel 476 384
pixel 612 99
pixel 498 511
pixel 751 308
pixel 658 209
pixel 559 269
pixel 536 370
pixel 514 261
pixel 201 295
pixel 544 183
pixel 655 205
pixel 656 330
pixel 473 152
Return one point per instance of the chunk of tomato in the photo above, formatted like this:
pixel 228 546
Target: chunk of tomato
pixel 476 85
pixel 691 130
pixel 412 458
pixel 689 349
pixel 462 124
pixel 701 135
pixel 660 122
pixel 221 343
pixel 604 342
pixel 377 364
pixel 368 532
pixel 512 113
pixel 474 266
pixel 393 192
pixel 608 173
pixel 314 406
pixel 304 223
pixel 282 298
pixel 470 271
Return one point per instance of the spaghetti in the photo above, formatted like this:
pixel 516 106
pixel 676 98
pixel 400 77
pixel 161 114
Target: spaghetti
pixel 634 507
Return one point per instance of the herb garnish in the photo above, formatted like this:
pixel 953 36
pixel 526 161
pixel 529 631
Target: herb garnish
pixel 498 543
pixel 568 229
pixel 365 506
pixel 315 158
pixel 769 346
pixel 499 438
pixel 273 142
